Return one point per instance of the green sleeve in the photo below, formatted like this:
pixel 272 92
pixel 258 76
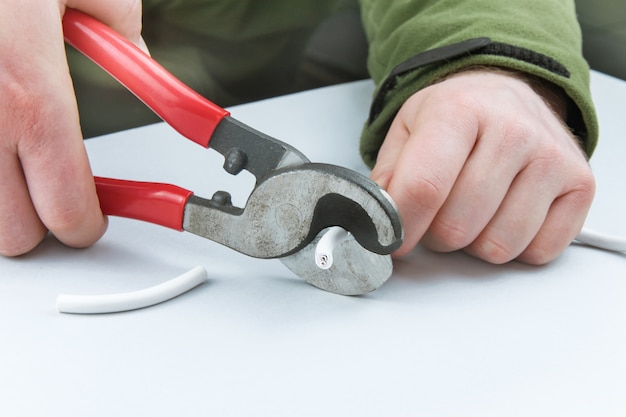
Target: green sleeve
pixel 539 31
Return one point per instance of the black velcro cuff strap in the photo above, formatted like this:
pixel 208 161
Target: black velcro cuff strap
pixel 466 48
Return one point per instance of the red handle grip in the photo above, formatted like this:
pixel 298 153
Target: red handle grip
pixel 162 204
pixel 188 112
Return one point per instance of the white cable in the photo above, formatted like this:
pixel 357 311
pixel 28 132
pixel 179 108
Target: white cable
pixel 113 303
pixel 326 246
pixel 335 235
pixel 602 240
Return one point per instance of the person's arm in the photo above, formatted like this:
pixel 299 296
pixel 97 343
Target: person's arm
pixel 46 179
pixel 478 141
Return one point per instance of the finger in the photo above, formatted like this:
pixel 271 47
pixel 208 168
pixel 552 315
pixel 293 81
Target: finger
pixel 555 233
pixel 124 16
pixel 40 123
pixel 519 217
pixel 429 164
pixel 21 229
pixel 389 153
pixel 479 190
pixel 57 172
pixel 64 196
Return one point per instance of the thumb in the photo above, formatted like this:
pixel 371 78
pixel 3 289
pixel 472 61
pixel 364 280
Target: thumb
pixel 389 153
pixel 123 16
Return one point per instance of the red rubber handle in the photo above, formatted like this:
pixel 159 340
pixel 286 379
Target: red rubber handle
pixel 162 204
pixel 188 112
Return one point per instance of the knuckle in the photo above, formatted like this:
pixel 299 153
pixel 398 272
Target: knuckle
pixel 448 235
pixel 29 120
pixel 130 14
pixel 493 250
pixel 464 104
pixel 543 250
pixel 75 225
pixel 585 186
pixel 536 254
pixel 134 10
pixel 550 163
pixel 425 189
pixel 20 243
pixel 518 135
pixel 576 181
pixel 382 175
pixel 425 194
pixel 65 219
pixel 20 101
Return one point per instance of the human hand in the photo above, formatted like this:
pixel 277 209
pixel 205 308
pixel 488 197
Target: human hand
pixel 481 162
pixel 46 179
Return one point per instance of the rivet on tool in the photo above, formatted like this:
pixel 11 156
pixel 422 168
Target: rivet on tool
pixel 235 161
pixel 221 199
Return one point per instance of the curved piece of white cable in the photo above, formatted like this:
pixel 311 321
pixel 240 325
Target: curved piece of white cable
pixel 113 303
pixel 602 240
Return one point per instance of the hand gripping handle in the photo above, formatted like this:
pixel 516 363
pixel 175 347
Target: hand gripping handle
pixel 162 204
pixel 188 112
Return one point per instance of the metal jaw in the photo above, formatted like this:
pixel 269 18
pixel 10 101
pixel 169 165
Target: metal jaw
pixel 246 148
pixel 293 201
pixel 287 210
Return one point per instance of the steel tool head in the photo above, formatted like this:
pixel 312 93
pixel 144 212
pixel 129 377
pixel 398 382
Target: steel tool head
pixel 290 207
pixel 286 215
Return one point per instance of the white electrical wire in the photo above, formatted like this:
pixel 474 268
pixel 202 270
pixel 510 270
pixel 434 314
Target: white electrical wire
pixel 113 303
pixel 326 246
pixel 602 240
pixel 335 235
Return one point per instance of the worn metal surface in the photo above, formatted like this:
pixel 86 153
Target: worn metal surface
pixel 355 270
pixel 286 211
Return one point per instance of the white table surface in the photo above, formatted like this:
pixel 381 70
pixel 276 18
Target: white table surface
pixel 448 335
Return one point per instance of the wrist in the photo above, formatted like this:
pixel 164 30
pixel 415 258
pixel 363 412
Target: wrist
pixel 551 94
